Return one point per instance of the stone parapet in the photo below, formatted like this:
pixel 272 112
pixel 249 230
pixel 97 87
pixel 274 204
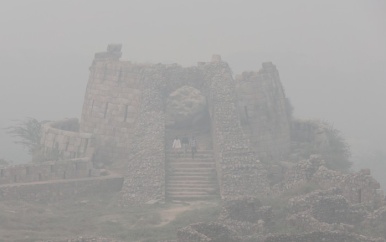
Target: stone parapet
pixel 61 140
pixel 52 191
pixel 60 170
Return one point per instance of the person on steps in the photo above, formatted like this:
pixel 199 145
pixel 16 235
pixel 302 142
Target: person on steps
pixel 185 143
pixel 176 144
pixel 193 146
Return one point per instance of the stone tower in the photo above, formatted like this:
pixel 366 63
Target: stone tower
pixel 124 110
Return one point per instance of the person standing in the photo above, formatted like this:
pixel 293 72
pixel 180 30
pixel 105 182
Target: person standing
pixel 185 143
pixel 193 146
pixel 176 144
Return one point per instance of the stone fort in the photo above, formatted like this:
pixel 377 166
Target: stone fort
pixel 247 148
pixel 131 114
pixel 125 119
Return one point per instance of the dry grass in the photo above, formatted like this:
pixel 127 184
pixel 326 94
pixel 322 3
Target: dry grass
pixel 97 216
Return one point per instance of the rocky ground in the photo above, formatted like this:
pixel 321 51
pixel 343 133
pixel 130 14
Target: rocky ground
pixel 95 218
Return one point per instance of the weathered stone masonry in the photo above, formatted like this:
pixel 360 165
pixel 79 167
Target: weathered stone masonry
pixel 124 110
pixel 53 181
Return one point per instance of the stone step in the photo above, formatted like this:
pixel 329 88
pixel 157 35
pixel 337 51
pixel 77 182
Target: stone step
pixel 190 173
pixel 181 152
pixel 191 165
pixel 187 185
pixel 189 178
pixel 190 189
pixel 201 151
pixel 202 193
pixel 190 169
pixel 174 195
pixel 189 156
pixel 192 198
pixel 189 161
pixel 190 182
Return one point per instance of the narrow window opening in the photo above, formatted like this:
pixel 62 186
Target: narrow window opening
pixel 85 145
pixel 105 73
pixel 246 112
pixel 67 144
pixel 106 107
pixel 360 195
pixel 64 175
pixel 120 75
pixel 92 106
pixel 27 170
pixel 126 111
pixel 89 172
pixel 53 142
pixel 14 178
pixel 52 168
pixel 40 176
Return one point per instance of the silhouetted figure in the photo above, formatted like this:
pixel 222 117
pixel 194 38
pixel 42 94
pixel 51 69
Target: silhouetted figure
pixel 185 143
pixel 193 146
pixel 176 143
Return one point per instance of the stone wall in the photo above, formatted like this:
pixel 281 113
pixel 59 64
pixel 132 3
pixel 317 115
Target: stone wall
pixel 85 239
pixel 265 112
pixel 52 191
pixel 61 170
pixel 206 232
pixel 358 187
pixel 111 106
pixel 238 169
pixel 145 176
pixel 61 140
pixel 124 108
pixel 329 236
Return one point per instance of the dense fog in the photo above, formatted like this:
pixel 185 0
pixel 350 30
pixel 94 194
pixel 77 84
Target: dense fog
pixel 331 56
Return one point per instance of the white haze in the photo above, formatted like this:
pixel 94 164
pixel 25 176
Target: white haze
pixel 331 55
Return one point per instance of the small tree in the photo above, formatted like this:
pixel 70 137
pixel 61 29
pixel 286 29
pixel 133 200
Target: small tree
pixel 28 133
pixel 318 137
pixel 337 154
pixel 4 162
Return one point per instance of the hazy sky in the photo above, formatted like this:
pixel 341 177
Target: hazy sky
pixel 331 55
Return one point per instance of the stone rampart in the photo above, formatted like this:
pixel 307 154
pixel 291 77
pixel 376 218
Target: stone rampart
pixel 206 232
pixel 61 140
pixel 60 170
pixel 51 191
pixel 124 108
pixel 358 187
pixel 265 112
pixel 329 236
pixel 238 169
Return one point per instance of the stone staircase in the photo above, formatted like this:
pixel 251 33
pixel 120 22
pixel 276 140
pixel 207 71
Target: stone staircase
pixel 191 179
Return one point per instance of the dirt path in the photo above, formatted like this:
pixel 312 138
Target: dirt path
pixel 168 215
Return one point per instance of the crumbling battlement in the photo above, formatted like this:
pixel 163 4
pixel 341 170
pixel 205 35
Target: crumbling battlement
pixel 61 140
pixel 58 190
pixel 358 187
pixel 124 108
pixel 206 232
pixel 53 181
pixel 265 112
pixel 330 236
pixel 48 171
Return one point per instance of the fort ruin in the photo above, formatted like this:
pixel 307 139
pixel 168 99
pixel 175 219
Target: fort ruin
pixel 245 134
pixel 124 120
